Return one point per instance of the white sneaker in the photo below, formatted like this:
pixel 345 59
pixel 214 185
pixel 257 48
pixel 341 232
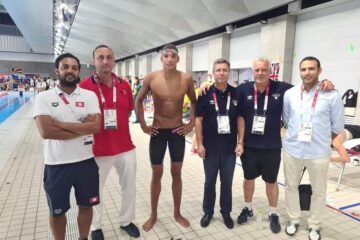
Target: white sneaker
pixel 314 234
pixel 291 228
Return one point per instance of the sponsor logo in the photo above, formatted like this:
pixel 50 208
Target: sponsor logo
pixel 276 95
pixel 79 104
pixel 94 199
pixel 55 104
pixel 235 102
pixel 249 97
pixel 58 211
pixel 212 102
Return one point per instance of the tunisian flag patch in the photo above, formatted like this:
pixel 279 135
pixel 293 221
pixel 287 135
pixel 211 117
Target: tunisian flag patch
pixel 79 104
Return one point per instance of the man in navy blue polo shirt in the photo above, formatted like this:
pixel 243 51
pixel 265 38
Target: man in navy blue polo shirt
pixel 260 108
pixel 216 133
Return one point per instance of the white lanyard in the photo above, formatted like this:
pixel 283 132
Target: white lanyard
pixel 266 98
pixel 101 93
pixel 302 110
pixel 67 102
pixel 227 103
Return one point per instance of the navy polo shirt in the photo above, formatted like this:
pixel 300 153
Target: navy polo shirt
pixel 215 143
pixel 271 138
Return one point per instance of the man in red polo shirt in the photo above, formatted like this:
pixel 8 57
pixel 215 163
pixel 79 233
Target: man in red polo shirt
pixel 112 145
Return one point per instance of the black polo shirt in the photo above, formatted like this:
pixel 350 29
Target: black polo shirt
pixel 215 143
pixel 271 138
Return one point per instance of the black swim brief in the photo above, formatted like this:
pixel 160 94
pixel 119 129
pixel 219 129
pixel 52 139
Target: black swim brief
pixel 158 143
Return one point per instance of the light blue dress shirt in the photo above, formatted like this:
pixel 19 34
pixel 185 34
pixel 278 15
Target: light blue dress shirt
pixel 328 117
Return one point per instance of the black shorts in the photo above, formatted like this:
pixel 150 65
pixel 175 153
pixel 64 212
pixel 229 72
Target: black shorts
pixel 264 162
pixel 159 142
pixel 354 130
pixel 59 179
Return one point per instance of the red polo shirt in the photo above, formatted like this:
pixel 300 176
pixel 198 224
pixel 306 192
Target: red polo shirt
pixel 112 142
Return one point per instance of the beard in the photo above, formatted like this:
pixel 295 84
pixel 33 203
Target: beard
pixel 63 81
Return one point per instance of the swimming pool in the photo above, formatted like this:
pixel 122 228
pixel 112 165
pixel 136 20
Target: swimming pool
pixel 11 102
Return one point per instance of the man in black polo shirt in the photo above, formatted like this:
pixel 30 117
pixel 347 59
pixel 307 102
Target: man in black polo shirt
pixel 260 109
pixel 216 133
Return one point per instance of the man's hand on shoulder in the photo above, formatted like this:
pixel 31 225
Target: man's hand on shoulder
pixel 327 85
pixel 204 88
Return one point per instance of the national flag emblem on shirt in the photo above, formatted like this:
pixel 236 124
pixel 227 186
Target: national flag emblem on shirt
pixel 94 199
pixel 275 69
pixel 79 104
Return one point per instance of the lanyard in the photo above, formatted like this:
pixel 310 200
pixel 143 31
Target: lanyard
pixel 256 98
pixel 316 95
pixel 227 103
pixel 101 93
pixel 66 101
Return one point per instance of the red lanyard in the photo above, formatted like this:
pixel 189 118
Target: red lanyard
pixel 227 102
pixel 256 98
pixel 62 96
pixel 316 95
pixel 67 102
pixel 101 93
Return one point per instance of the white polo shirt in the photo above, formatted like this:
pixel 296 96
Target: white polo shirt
pixel 81 103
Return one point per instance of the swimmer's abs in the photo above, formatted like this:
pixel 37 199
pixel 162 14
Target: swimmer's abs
pixel 173 121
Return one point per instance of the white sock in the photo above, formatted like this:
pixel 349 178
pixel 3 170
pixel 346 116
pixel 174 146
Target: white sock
pixel 272 210
pixel 248 205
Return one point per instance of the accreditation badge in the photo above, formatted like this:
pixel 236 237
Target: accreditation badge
pixel 110 119
pixel 88 139
pixel 258 126
pixel 223 123
pixel 305 132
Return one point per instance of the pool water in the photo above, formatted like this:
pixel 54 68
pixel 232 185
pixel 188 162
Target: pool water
pixel 12 102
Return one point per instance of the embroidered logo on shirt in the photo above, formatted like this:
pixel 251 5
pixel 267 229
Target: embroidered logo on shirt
pixel 55 104
pixel 212 102
pixel 123 92
pixel 235 102
pixel 276 95
pixel 249 97
pixel 79 104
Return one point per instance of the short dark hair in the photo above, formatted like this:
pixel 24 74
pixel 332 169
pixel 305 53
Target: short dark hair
pixel 220 61
pixel 169 46
pixel 310 58
pixel 101 46
pixel 65 55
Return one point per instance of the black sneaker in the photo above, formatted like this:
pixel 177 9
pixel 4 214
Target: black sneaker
pixel 274 223
pixel 244 215
pixel 314 234
pixel 205 220
pixel 132 230
pixel 229 223
pixel 97 235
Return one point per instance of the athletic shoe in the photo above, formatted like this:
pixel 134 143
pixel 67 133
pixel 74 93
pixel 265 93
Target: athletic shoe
pixel 291 228
pixel 244 215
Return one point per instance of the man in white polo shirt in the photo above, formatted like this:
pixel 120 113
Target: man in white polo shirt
pixel 66 117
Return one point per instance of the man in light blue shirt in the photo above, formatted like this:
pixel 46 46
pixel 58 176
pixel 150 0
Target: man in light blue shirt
pixel 312 117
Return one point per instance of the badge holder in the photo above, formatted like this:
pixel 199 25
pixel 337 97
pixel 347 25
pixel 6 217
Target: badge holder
pixel 305 132
pixel 258 126
pixel 223 123
pixel 110 119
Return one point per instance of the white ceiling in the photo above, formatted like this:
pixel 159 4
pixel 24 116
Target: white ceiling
pixel 128 26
